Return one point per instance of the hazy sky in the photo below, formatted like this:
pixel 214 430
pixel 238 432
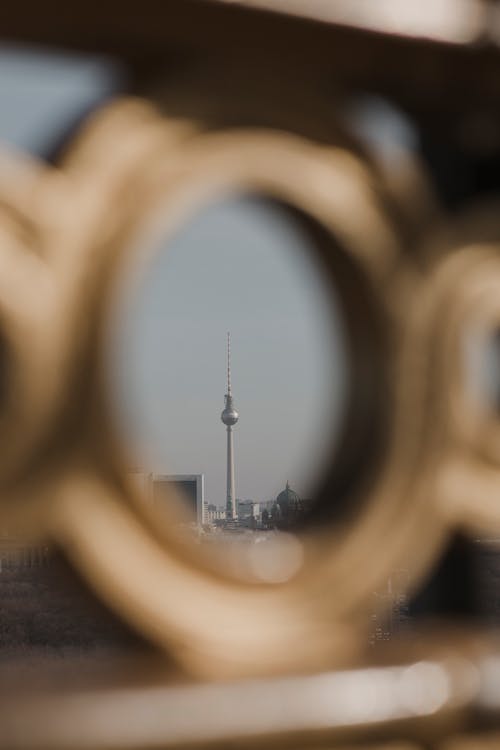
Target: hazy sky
pixel 239 265
pixel 43 94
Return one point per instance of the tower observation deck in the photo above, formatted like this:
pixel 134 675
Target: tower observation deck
pixel 229 417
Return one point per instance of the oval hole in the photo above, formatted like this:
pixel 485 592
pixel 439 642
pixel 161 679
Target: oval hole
pixel 482 369
pixel 248 266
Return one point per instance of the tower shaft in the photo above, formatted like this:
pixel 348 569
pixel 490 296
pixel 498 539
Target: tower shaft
pixel 230 417
pixel 231 511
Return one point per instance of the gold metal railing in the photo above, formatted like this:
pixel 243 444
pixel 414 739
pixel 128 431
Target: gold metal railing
pixel 255 664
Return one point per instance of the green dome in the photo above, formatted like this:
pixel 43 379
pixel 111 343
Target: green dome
pixel 289 501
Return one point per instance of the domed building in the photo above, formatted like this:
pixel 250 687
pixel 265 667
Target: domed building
pixel 287 508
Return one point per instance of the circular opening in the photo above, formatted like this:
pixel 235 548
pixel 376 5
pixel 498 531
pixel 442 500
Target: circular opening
pixel 235 381
pixel 482 367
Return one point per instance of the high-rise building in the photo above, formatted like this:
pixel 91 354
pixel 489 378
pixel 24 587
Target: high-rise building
pixel 229 417
pixel 190 487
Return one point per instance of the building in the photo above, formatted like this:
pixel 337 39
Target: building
pixel 214 515
pixel 248 512
pixel 287 510
pixel 191 488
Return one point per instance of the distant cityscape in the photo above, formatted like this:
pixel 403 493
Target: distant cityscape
pixel 40 599
pixel 281 513
pixel 234 515
pixel 235 518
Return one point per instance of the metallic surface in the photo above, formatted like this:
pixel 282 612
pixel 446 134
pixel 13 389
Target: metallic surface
pixel 420 699
pixel 452 21
pixel 87 501
pixel 419 458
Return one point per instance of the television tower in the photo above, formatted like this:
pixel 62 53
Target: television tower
pixel 229 417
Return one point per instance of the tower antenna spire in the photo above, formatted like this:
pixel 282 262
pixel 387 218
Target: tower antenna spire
pixel 228 363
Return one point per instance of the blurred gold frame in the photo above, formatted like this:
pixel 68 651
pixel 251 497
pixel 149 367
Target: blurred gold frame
pixel 74 238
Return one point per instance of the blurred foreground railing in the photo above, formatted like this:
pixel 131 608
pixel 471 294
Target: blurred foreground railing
pixel 406 230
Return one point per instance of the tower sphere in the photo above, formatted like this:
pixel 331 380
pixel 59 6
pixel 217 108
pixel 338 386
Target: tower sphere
pixel 229 416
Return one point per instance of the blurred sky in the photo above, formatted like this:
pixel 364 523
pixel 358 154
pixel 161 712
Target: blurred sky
pixel 238 266
pixel 43 94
